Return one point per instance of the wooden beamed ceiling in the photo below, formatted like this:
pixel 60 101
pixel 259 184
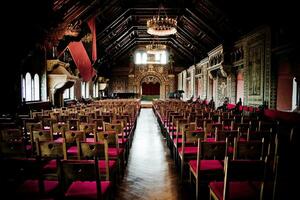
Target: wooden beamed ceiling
pixel 121 26
pixel 194 37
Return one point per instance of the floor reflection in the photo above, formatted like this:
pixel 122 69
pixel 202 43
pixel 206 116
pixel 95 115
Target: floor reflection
pixel 150 173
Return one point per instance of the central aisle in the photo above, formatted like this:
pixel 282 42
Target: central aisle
pixel 150 172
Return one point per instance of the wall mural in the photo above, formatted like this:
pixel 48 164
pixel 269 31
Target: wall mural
pixel 119 85
pixel 255 69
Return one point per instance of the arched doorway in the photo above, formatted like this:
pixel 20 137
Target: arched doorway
pixel 150 88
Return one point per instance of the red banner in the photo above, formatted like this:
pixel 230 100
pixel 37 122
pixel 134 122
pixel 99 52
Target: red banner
pixel 82 60
pixel 92 27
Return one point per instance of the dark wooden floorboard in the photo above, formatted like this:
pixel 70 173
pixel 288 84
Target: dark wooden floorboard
pixel 150 173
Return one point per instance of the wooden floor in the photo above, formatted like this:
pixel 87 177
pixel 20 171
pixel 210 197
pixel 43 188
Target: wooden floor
pixel 150 173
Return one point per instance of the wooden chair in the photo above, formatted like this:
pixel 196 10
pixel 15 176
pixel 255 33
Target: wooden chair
pixel 243 179
pixel 48 152
pixel 24 179
pixel 114 150
pixel 88 150
pixel 253 149
pixel 188 149
pixel 80 179
pixel 208 165
pixel 71 137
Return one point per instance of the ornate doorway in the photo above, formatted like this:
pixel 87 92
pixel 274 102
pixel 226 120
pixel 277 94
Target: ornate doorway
pixel 150 87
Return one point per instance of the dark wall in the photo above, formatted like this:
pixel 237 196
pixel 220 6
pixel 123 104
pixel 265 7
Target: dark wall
pixel 24 24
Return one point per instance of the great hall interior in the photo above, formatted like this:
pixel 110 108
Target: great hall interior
pixel 150 99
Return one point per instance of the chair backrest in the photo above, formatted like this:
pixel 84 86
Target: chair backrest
pixel 41 135
pixel 72 135
pixel 59 127
pixel 243 170
pixel 79 170
pixel 253 149
pixel 216 150
pixel 51 149
pixel 90 150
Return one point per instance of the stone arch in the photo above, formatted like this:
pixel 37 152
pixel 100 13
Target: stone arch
pixel 162 80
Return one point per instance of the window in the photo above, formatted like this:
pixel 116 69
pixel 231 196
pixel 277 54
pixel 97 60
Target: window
pixel 87 90
pixel 157 57
pixel 23 88
pixel 83 89
pixel 95 90
pixel 28 86
pixel 163 58
pixel 72 92
pixel 144 58
pixel 294 95
pixel 85 93
pixel 138 58
pixel 69 93
pixel 36 85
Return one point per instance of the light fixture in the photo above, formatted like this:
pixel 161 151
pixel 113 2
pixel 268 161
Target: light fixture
pixel 154 48
pixel 161 25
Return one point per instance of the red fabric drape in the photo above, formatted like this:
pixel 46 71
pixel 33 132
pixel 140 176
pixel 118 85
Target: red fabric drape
pixel 150 88
pixel 92 26
pixel 82 60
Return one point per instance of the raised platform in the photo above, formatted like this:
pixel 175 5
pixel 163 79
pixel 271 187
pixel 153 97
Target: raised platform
pixel 146 104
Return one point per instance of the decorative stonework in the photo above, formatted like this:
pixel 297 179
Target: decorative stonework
pixel 119 85
pixel 150 79
pixel 258 68
pixel 151 73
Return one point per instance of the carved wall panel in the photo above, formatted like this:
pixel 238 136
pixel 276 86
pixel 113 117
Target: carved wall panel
pixel 258 68
pixel 119 85
pixel 222 92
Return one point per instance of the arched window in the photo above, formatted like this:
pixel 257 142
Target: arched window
pixel 95 90
pixel 144 58
pixel 71 92
pixel 138 58
pixel 294 95
pixel 87 90
pixel 36 87
pixel 163 57
pixel 83 89
pixel 28 86
pixel 23 88
pixel 66 94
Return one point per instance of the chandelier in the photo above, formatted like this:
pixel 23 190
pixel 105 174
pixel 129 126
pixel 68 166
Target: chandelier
pixel 161 26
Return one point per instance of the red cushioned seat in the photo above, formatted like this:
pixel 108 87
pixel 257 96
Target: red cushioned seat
pixel 205 165
pixel 230 150
pixel 50 166
pixel 60 139
pixel 112 152
pixel 72 150
pixel 244 190
pixel 188 150
pixel 121 141
pixel 86 189
pixel 210 140
pixel 89 139
pixel 28 147
pixel 111 164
